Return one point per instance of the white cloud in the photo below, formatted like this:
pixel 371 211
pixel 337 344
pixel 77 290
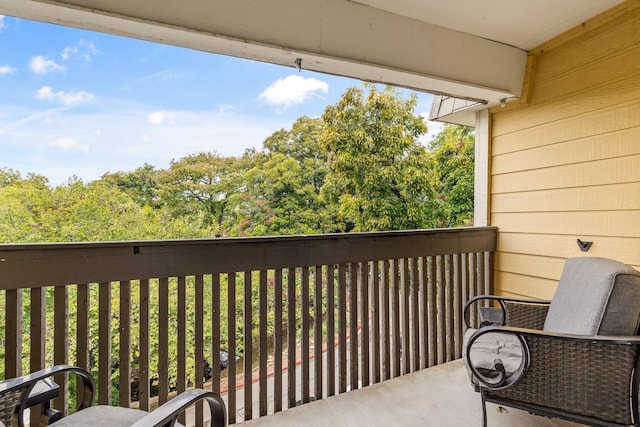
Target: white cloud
pixel 66 98
pixel 161 117
pixel 5 69
pixel 1 22
pixel 69 144
pixel 292 90
pixel 42 65
pixel 83 49
pixel 68 52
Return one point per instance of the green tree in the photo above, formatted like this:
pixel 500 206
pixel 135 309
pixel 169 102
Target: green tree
pixel 381 177
pixel 283 187
pixel 8 176
pixel 24 206
pixel 202 185
pixel 453 150
pixel 141 184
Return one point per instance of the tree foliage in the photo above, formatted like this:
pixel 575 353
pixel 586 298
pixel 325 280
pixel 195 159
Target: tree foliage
pixel 283 186
pixel 360 167
pixel 382 177
pixel 453 151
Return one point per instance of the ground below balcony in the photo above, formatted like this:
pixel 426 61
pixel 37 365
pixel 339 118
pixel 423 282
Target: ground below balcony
pixel 440 396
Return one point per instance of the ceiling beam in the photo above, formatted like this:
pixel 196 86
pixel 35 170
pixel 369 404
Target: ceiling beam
pixel 331 36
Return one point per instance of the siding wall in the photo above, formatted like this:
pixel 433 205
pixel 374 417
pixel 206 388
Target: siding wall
pixel 565 160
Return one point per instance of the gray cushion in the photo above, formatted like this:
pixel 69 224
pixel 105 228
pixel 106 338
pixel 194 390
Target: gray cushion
pixel 103 415
pixel 489 347
pixel 595 296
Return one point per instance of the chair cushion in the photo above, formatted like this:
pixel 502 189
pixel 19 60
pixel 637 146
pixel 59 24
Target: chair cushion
pixel 103 415
pixel 489 347
pixel 595 296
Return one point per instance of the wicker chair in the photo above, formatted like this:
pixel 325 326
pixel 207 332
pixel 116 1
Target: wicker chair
pixel 19 394
pixel 575 357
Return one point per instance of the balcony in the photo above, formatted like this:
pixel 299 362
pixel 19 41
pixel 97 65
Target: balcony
pixel 373 307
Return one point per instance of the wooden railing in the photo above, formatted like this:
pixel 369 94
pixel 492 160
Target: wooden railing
pixel 307 316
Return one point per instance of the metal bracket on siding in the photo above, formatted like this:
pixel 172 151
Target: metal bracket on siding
pixel 584 246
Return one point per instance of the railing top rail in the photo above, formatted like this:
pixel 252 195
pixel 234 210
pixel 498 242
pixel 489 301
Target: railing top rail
pixel 45 264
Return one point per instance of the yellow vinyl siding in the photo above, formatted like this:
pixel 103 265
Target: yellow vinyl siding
pixel 610 95
pixel 565 162
pixel 564 246
pixel 595 198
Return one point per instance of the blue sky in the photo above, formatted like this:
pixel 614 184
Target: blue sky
pixel 75 102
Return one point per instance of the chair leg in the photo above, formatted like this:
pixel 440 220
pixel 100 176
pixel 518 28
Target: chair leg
pixel 484 408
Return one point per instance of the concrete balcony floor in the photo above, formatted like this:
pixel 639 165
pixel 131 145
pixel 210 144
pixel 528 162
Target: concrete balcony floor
pixel 440 396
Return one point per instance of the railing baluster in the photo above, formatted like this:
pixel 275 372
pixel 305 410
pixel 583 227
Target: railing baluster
pixel 415 315
pixel 248 346
pixel 457 307
pixel 331 332
pixel 231 334
pixel 423 313
pixel 440 300
pixel 342 327
pixel 353 325
pixel 488 269
pixel 317 332
pixel 480 272
pixel 291 337
pixel 374 267
pixel 82 329
pixel 449 331
pixel 144 389
pixel 216 328
pixel 13 333
pixel 395 319
pixel 262 350
pixel 38 338
pixel 304 341
pixel 104 355
pixel 124 389
pixel 404 312
pixel 37 328
pixel 473 315
pixel 386 326
pixel 365 347
pixel 60 344
pixel 198 327
pixel 432 323
pixel 278 345
pixel 163 340
pixel 181 338
pixel 464 286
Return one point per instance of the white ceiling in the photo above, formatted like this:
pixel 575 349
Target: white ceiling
pixel 524 24
pixel 469 49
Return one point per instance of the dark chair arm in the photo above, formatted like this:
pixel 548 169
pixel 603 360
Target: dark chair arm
pixel 167 414
pixel 25 384
pixel 524 313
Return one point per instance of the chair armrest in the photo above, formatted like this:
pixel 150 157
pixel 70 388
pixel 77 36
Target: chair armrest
pixel 167 414
pixel 25 384
pixel 523 313
pixel 597 376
